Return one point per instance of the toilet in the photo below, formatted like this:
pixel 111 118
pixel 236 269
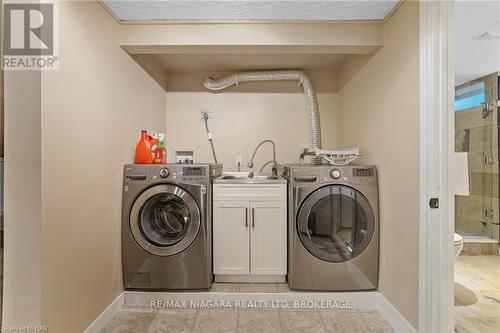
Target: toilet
pixel 458 244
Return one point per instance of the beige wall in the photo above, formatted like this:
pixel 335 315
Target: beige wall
pixel 22 292
pixel 2 130
pixel 379 112
pixel 241 121
pixel 93 109
pixel 2 121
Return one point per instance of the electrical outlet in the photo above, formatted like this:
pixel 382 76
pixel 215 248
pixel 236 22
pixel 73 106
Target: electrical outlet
pixel 206 114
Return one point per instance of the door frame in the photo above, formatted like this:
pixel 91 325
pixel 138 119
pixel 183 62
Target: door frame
pixel 436 147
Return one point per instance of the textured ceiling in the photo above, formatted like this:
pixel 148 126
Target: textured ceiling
pixel 250 10
pixel 474 57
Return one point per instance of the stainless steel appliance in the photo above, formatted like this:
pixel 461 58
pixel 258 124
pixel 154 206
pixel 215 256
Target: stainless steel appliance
pixel 166 226
pixel 333 227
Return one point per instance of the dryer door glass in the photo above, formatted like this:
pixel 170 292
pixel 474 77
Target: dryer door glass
pixel 335 223
pixel 165 220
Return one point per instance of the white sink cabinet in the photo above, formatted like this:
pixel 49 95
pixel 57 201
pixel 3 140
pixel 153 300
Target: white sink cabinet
pixel 250 232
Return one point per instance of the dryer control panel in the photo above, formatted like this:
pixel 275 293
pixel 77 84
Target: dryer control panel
pixel 355 174
pixel 305 175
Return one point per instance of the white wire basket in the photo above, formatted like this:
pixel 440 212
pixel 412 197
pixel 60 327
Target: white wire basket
pixel 337 157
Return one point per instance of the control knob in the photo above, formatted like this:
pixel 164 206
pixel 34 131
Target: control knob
pixel 164 173
pixel 335 173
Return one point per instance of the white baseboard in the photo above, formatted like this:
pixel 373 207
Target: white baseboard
pixel 250 278
pixel 101 321
pixel 395 319
pixel 371 300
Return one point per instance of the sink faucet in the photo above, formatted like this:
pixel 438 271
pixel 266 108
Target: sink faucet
pixel 305 153
pixel 274 167
pixel 275 171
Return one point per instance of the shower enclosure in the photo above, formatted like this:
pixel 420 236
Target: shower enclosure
pixel 476 133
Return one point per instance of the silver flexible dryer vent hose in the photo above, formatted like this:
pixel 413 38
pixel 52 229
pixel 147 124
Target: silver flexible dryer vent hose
pixel 281 75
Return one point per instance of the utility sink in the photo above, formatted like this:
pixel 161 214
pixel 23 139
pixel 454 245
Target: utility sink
pixel 249 178
pixel 259 177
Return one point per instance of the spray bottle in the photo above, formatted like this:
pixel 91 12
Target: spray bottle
pixel 160 151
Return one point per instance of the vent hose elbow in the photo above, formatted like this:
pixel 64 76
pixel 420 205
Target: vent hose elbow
pixel 280 75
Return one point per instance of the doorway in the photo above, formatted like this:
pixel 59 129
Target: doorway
pixel 476 126
pixel 477 267
pixel 476 135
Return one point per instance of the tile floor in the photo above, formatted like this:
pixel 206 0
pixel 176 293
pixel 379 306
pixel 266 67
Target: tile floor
pixel 207 321
pixel 139 320
pixel 477 294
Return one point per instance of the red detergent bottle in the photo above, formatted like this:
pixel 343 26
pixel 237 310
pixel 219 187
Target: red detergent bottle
pixel 143 153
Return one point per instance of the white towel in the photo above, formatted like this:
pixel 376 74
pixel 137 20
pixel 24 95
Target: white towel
pixel 459 167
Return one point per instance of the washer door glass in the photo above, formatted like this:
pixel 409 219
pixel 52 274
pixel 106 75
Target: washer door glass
pixel 164 220
pixel 335 223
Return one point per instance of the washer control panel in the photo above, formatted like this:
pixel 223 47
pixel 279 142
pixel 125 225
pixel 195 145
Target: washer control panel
pixel 194 174
pixel 200 174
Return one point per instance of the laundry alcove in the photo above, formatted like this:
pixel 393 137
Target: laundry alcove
pixel 357 71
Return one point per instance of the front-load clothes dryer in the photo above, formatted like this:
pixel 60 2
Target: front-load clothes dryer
pixel 333 227
pixel 166 226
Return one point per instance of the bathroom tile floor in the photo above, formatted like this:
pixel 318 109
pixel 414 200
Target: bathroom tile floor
pixel 140 319
pixel 477 294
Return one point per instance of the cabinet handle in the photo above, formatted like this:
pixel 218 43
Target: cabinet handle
pixel 246 217
pixel 253 217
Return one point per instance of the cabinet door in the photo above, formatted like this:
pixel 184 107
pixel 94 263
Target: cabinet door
pixel 268 234
pixel 231 241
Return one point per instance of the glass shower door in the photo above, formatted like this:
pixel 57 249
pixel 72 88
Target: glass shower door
pixel 476 133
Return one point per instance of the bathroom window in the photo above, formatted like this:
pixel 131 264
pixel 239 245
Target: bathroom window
pixel 470 96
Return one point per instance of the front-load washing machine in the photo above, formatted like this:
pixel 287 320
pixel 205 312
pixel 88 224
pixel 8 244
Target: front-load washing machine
pixel 333 227
pixel 166 226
